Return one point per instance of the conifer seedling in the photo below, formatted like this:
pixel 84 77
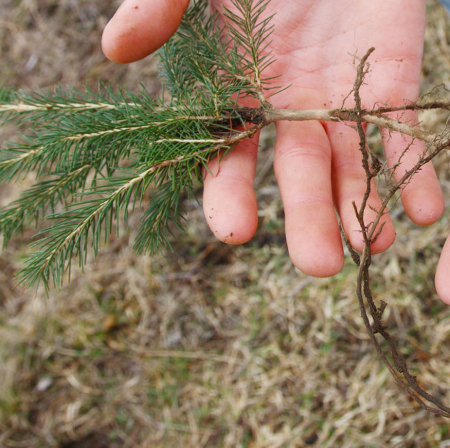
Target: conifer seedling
pixel 95 154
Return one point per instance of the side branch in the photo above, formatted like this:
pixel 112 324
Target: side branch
pixel 81 220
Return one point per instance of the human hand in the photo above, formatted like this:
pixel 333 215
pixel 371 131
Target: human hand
pixel 317 165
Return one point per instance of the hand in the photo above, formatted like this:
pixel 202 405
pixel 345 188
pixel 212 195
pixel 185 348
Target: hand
pixel 317 165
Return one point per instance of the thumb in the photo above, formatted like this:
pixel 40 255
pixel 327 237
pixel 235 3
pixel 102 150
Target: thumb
pixel 140 27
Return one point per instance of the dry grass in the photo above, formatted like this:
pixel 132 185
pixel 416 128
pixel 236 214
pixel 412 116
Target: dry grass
pixel 211 345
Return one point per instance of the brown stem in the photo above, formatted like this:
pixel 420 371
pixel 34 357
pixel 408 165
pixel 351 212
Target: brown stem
pixel 342 115
pixel 370 232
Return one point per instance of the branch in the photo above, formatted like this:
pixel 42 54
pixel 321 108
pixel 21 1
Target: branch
pixel 22 107
pixel 70 234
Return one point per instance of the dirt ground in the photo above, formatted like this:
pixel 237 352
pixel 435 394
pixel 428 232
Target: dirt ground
pixel 210 345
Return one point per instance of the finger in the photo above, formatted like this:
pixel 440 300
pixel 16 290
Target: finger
pixel 442 279
pixel 350 184
pixel 422 196
pixel 229 200
pixel 140 27
pixel 302 167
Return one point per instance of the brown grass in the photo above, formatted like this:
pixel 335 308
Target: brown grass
pixel 211 345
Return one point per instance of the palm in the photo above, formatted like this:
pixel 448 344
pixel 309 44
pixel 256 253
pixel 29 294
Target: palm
pixel 313 40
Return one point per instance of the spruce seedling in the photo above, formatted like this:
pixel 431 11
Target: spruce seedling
pixel 95 154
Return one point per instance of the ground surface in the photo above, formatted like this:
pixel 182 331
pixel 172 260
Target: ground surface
pixel 212 345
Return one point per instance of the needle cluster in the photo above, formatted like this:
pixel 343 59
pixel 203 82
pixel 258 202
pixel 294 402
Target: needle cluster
pixel 95 154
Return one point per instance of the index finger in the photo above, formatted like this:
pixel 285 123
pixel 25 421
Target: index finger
pixel 140 27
